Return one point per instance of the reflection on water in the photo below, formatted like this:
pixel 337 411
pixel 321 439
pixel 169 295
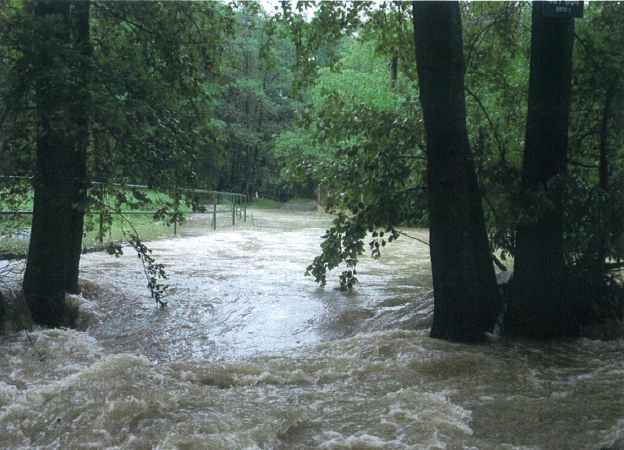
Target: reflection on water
pixel 252 355
pixel 241 291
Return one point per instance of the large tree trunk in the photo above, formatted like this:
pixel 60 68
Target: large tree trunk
pixel 538 307
pixel 60 177
pixel 467 299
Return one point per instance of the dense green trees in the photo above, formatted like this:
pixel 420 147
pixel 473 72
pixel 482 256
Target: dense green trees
pixel 496 44
pixel 112 92
pixel 462 128
pixel 173 95
pixel 158 68
pixel 596 134
pixel 255 103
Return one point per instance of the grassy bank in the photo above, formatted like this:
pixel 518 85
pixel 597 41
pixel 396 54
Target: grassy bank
pixel 14 240
pixel 14 236
pixel 264 203
pixel 14 229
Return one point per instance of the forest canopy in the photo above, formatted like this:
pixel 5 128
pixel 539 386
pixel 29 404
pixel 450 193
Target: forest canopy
pixel 337 100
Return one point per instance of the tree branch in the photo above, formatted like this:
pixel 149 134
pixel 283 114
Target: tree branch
pixel 124 18
pixel 412 237
pixel 582 164
pixel 498 263
pixel 487 116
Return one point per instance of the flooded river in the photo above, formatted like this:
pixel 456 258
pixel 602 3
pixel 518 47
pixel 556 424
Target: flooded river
pixel 251 354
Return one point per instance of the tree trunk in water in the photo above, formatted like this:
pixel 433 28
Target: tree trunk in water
pixel 81 10
pixel 537 307
pixel 60 177
pixel 467 300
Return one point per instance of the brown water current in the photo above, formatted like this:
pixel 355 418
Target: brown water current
pixel 250 354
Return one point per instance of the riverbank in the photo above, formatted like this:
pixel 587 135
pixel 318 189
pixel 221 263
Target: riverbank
pixel 14 244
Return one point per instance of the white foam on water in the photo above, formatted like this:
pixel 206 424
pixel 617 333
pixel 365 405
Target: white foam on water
pixel 393 389
pixel 248 356
pixel 125 401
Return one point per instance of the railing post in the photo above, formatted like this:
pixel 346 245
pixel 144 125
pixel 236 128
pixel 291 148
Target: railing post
pixel 214 214
pixel 101 192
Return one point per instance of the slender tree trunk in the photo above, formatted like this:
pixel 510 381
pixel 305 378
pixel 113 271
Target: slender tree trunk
pixel 60 175
pixel 2 315
pixel 537 307
pixel 467 299
pixel 597 255
pixel 604 172
pixel 394 71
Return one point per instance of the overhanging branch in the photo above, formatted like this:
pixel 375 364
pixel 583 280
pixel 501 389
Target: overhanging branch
pixel 487 116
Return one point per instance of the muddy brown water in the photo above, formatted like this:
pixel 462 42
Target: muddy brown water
pixel 251 354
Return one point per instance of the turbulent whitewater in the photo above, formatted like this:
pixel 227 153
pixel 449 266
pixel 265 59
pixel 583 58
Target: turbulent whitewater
pixel 251 354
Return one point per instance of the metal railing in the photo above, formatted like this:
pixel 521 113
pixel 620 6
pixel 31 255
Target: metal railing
pixel 215 203
pixel 236 204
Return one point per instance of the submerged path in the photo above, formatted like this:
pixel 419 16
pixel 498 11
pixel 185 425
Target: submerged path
pixel 242 291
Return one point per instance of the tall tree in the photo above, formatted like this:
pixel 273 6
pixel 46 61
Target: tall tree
pixel 118 91
pixel 539 306
pixel 61 169
pixel 381 142
pixel 256 102
pixel 466 293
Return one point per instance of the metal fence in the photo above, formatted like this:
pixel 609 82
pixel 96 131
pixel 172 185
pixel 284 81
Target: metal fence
pixel 214 202
pixel 230 203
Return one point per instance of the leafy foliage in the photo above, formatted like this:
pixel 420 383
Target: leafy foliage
pixel 207 94
pixel 255 102
pixel 347 142
pixel 361 148
pixel 153 271
pixel 152 101
pixel 361 142
pixel 150 108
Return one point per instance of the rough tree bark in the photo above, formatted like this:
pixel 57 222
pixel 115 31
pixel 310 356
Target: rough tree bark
pixel 538 307
pixel 467 300
pixel 60 175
